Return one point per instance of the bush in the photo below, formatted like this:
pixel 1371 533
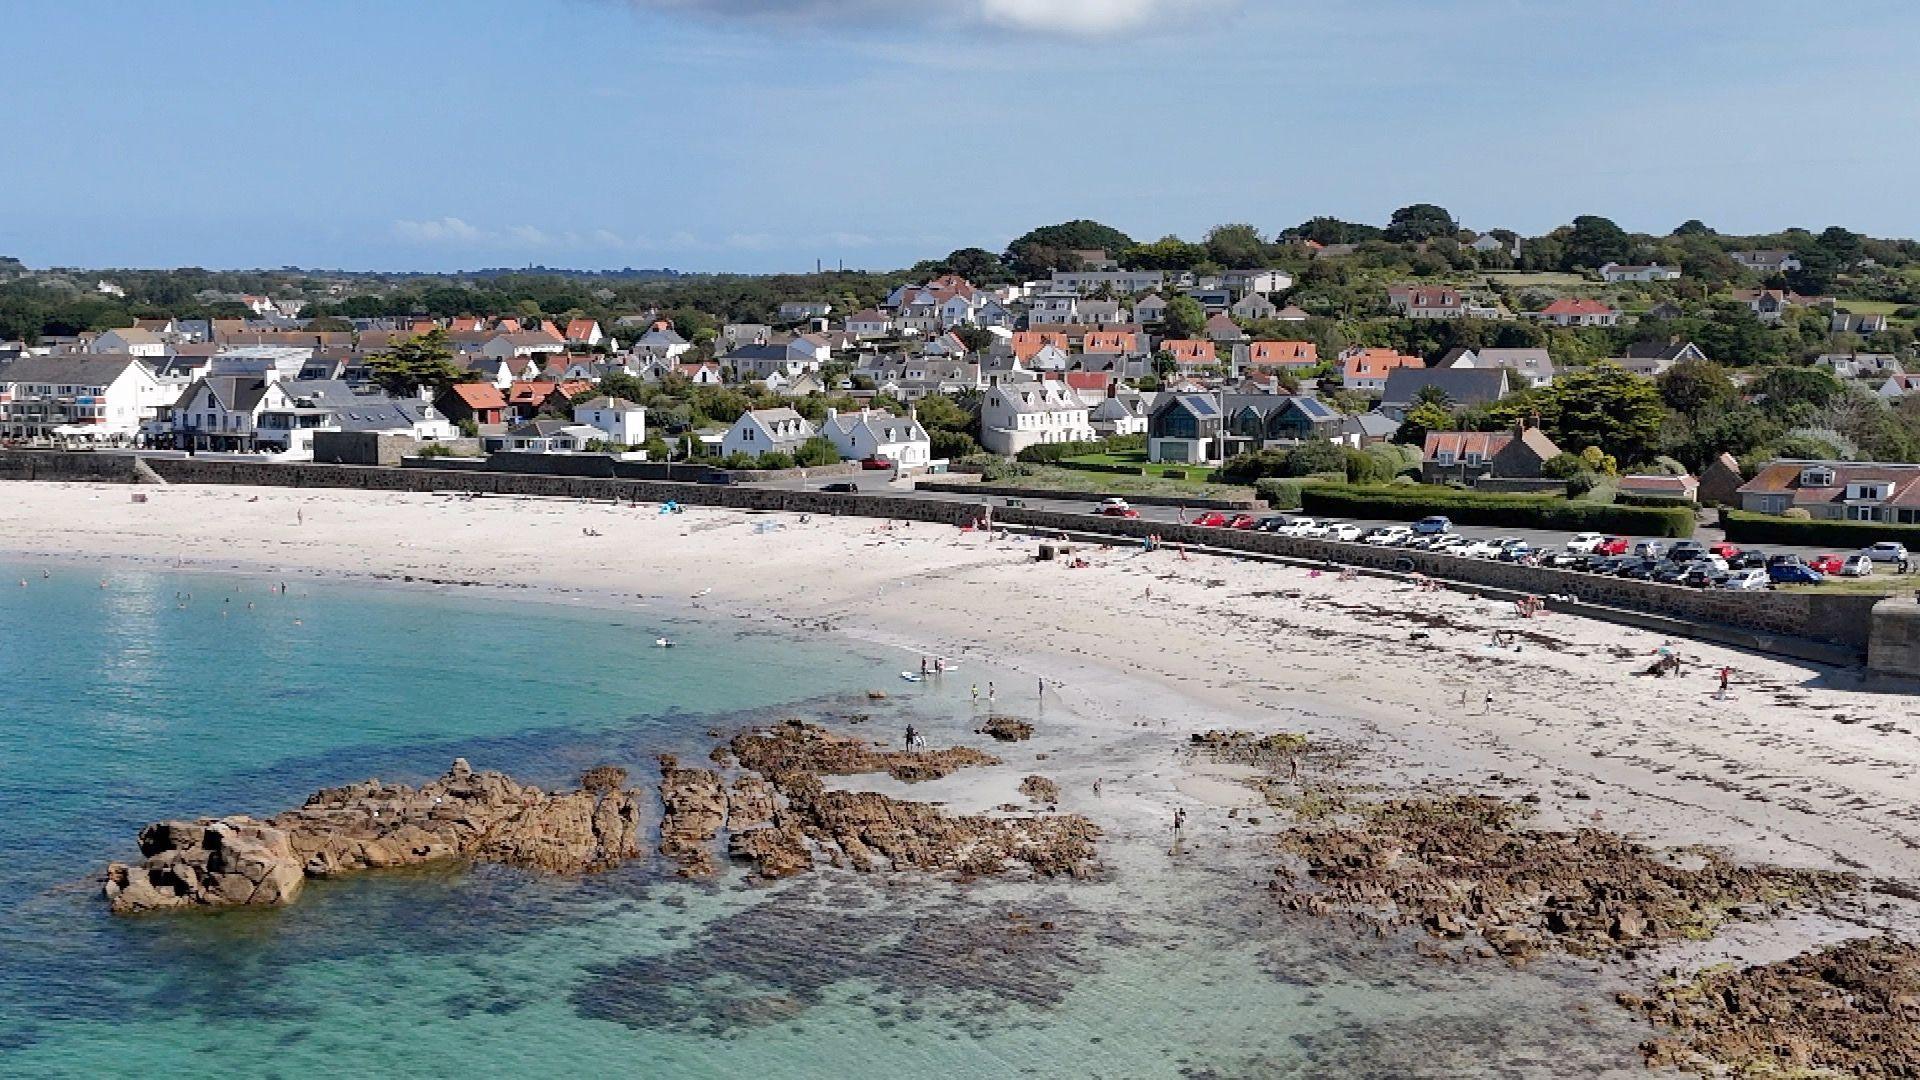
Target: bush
pixel 775 459
pixel 1744 527
pixel 1318 456
pixel 1563 466
pixel 1628 498
pixel 817 451
pixel 951 444
pixel 1411 502
pixel 436 450
pixel 1048 453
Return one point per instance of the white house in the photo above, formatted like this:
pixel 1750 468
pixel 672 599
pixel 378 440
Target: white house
pixel 1016 415
pixel 871 323
pixel 100 399
pixel 809 351
pixel 1121 282
pixel 662 343
pixel 131 340
pixel 526 344
pixel 802 310
pixel 762 431
pixel 1617 272
pixel 619 420
pixel 544 436
pixel 1766 262
pixel 1257 281
pixel 873 433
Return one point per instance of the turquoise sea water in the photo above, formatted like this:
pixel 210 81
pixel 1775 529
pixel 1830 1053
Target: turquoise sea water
pixel 165 694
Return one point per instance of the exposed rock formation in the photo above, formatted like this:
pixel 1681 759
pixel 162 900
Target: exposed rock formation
pixel 1040 790
pixel 1850 1010
pixel 696 807
pixel 463 815
pixel 1007 728
pixel 797 747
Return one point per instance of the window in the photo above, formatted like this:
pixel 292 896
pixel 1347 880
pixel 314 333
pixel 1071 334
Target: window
pixel 1816 477
pixel 1443 458
pixel 1473 457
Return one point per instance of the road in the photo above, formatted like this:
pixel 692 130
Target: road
pixel 879 483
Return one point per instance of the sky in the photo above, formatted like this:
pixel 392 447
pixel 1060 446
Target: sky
pixel 763 135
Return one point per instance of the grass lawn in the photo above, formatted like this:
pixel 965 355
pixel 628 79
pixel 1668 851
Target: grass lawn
pixel 1519 280
pixel 1054 478
pixel 1882 583
pixel 1871 307
pixel 1135 459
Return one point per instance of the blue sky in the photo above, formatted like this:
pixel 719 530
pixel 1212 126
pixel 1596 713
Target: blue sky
pixel 761 135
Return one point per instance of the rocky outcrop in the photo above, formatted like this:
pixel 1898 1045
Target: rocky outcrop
pixel 1849 1010
pixel 483 816
pixel 795 747
pixel 1007 728
pixel 696 808
pixel 1040 790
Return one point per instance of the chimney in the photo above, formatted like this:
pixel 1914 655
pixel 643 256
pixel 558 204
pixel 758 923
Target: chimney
pixel 832 413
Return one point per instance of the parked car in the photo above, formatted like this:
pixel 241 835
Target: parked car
pixel 1213 520
pixel 1638 567
pixel 1309 528
pixel 874 464
pixel 1479 549
pixel 1612 545
pixel 1725 550
pixel 1585 543
pixel 1749 580
pixel 843 487
pixel 1386 535
pixel 1748 560
pixel 1785 558
pixel 1859 564
pixel 1704 575
pixel 1429 526
pixel 1343 531
pixel 1649 549
pixel 1448 542
pixel 1243 521
pixel 1687 551
pixel 1670 572
pixel 1116 508
pixel 1826 564
pixel 1270 523
pixel 1886 551
pixel 1794 573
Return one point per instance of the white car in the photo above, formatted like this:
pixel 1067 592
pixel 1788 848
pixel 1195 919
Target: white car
pixel 1585 543
pixel 1451 542
pixel 1886 551
pixel 1860 565
pixel 1305 526
pixel 1749 580
pixel 1393 534
pixel 1343 531
pixel 1479 549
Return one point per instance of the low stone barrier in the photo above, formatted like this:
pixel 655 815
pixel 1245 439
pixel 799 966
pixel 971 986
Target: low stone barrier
pixel 1013 492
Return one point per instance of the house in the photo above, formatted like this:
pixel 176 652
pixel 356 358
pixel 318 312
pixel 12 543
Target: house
pixel 759 361
pixel 536 343
pixel 1280 356
pixel 1860 365
pixel 1618 272
pixel 291 412
pixel 874 434
pixel 1683 488
pixel 1150 308
pixel 1016 415
pixel 1461 387
pixel 527 397
pixel 96 399
pixel 870 323
pixel 1222 329
pixel 1532 367
pixel 220 412
pixel 1119 282
pixel 1569 311
pixel 1027 343
pixel 1898 386
pixel 1472 456
pixel 1290 313
pixel 1190 354
pixel 1488 242
pixel 1120 342
pixel 1766 263
pixel 583 332
pixel 478 403
pixel 1254 306
pixel 1720 482
pixel 801 310
pixel 1210 299
pixel 1836 491
pixel 1655 358
pixel 567 367
pixel 131 341
pixel 1427 302
pixel 1366 369
pixel 1252 282
pixel 545 435
pixel 662 342
pixel 1368 429
pixel 619 420
pixel 1119 413
pixel 1846 322
pixel 705 373
pixel 1256 421
pixel 1184 427
pixel 764 431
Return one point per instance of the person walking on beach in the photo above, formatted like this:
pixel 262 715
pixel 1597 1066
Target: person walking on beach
pixel 912 737
pixel 1726 676
pixel 1179 818
pixel 976 693
pixel 989 692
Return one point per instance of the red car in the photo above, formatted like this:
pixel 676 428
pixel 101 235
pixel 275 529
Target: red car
pixel 873 464
pixel 1725 550
pixel 1243 521
pixel 1612 545
pixel 1827 564
pixel 1211 521
pixel 1118 511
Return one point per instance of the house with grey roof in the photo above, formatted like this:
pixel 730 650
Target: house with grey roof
pixel 764 431
pixel 1461 386
pixel 878 435
pixel 1184 428
pixel 96 399
pixel 1531 367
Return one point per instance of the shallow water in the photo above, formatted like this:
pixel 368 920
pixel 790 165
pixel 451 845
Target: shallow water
pixel 164 694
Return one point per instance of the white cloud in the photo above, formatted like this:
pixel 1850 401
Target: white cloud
pixel 446 230
pixel 1081 17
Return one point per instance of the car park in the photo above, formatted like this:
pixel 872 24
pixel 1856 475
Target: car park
pixel 1888 551
pixel 1212 520
pixel 1749 580
pixel 1859 564
pixel 1585 543
pixel 1794 573
pixel 1429 526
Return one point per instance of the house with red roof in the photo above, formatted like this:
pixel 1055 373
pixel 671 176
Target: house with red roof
pixel 1572 311
pixel 583 332
pixel 1028 343
pixel 1836 490
pixel 1282 355
pixel 480 403
pixel 1366 369
pixel 1470 456
pixel 1191 353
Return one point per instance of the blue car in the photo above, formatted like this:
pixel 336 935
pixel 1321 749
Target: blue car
pixel 1432 526
pixel 1794 573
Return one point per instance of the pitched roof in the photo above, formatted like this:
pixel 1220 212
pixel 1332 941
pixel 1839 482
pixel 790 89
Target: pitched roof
pixel 1283 354
pixel 1463 386
pixel 1372 363
pixel 479 395
pixel 1462 444
pixel 1568 305
pixel 1191 351
pixel 94 369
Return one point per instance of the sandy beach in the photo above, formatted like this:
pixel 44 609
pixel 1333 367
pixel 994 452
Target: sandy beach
pixel 1800 765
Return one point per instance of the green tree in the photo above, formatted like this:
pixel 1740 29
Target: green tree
pixel 1422 420
pixel 1593 241
pixel 1606 406
pixel 1697 387
pixel 977 265
pixel 1420 222
pixel 1237 247
pixel 1185 319
pixel 409 364
pixel 1051 247
pixel 975 338
pixel 1169 254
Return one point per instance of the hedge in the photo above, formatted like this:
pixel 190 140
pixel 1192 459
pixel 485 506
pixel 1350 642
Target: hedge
pixel 1745 527
pixel 1103 467
pixel 1408 502
pixel 1629 498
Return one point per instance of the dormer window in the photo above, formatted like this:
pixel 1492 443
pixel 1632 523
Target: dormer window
pixel 1816 477
pixel 1869 492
